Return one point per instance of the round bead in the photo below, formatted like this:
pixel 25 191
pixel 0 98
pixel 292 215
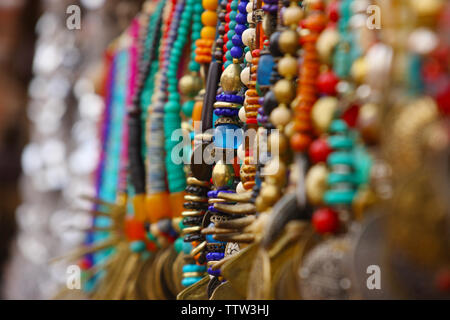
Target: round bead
pixel 287 66
pixel 325 220
pixel 236 52
pixel 236 40
pixel 319 150
pixel 300 142
pixel 249 7
pixel 245 76
pixel 242 115
pixel 209 18
pixel 292 15
pixel 210 4
pixel 280 116
pixel 284 91
pixel 326 83
pixel 249 37
pixel 288 41
pixel 248 56
pixel 208 33
pixel 316 183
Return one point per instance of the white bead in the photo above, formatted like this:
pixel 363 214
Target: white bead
pixel 240 188
pixel 241 152
pixel 242 115
pixel 250 17
pixel 245 76
pixel 249 7
pixel 422 41
pixel 249 37
pixel 248 57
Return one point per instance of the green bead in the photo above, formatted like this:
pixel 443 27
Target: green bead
pixel 172 107
pixel 188 107
pixel 234 5
pixel 233 15
pixel 194 66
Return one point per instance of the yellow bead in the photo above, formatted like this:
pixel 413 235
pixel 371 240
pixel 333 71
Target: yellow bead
pixel 322 113
pixel 210 4
pixel 284 91
pixel 209 18
pixel 287 66
pixel 208 33
pixel 292 15
pixel 288 41
pixel 316 183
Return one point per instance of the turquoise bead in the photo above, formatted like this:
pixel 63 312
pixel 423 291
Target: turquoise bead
pixel 172 107
pixel 334 178
pixel 137 246
pixel 193 268
pixel 340 158
pixel 334 197
pixel 186 282
pixel 194 66
pixel 340 142
pixel 188 107
pixel 178 245
pixel 338 126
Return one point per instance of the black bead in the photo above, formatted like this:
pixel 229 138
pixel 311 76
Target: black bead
pixel 274 47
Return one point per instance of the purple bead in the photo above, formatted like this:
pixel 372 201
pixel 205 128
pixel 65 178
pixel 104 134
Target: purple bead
pixel 240 28
pixel 236 52
pixel 242 7
pixel 236 40
pixel 241 18
pixel 214 256
pixel 214 272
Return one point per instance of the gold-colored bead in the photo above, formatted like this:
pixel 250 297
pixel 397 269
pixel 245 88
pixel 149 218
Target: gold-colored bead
pixel 322 113
pixel 316 183
pixel 190 85
pixel 288 41
pixel 270 194
pixel 328 39
pixel 359 70
pixel 280 116
pixel 287 67
pixel 284 91
pixel 231 78
pixel 292 15
pixel 222 175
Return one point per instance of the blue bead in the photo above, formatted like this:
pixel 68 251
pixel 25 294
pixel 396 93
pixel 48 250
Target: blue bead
pixel 236 40
pixel 240 28
pixel 265 67
pixel 241 18
pixel 228 136
pixel 243 7
pixel 236 52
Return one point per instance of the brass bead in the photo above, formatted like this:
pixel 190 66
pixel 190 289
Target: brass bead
pixel 222 175
pixel 280 116
pixel 288 41
pixel 270 194
pixel 287 67
pixel 231 78
pixel 284 91
pixel 322 113
pixel 292 15
pixel 328 39
pixel 316 183
pixel 190 85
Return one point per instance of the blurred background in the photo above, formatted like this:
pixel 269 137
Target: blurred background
pixel 48 139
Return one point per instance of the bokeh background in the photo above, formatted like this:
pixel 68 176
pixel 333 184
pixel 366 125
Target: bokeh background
pixel 49 107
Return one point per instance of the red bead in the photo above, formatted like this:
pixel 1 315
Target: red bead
pixel 227 17
pixel 319 150
pixel 326 83
pixel 350 115
pixel 300 142
pixel 325 220
pixel 134 229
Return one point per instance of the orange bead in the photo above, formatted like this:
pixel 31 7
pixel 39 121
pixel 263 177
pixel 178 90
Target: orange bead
pixel 140 208
pixel 209 18
pixel 176 203
pixel 197 112
pixel 158 206
pixel 300 142
pixel 208 32
pixel 210 4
